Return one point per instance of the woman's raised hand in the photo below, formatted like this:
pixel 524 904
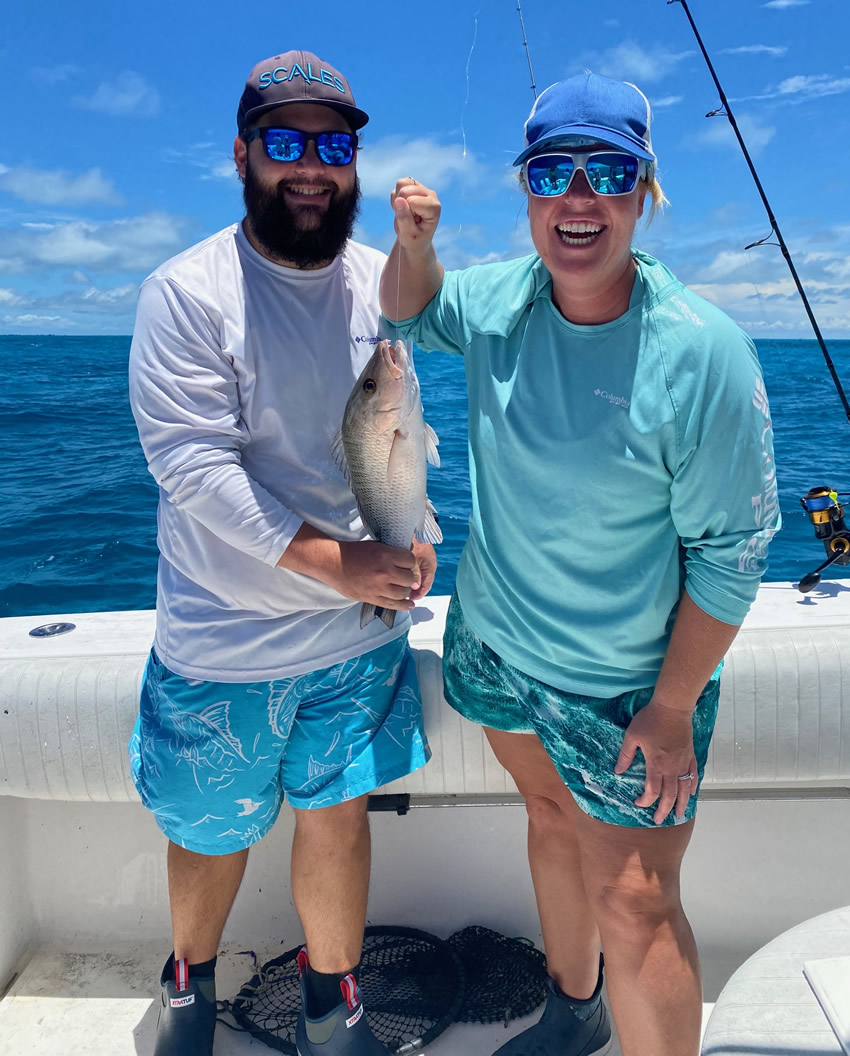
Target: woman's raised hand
pixel 417 213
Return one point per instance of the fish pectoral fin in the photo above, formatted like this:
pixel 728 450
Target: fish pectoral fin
pixel 431 441
pixel 394 462
pixel 429 530
pixel 338 452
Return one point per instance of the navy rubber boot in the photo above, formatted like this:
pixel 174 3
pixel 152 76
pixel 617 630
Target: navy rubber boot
pixel 344 1031
pixel 560 1032
pixel 187 1013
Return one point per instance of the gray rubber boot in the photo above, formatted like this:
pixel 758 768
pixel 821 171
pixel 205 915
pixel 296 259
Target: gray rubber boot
pixel 344 1031
pixel 560 1032
pixel 186 1021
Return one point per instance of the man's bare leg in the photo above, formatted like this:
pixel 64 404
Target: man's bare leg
pixel 201 888
pixel 331 859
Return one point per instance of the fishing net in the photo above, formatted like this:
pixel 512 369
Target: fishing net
pixel 505 978
pixel 411 982
pixel 414 986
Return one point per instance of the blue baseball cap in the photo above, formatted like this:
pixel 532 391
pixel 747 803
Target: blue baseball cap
pixel 589 105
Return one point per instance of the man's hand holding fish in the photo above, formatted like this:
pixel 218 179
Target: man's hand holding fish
pixel 389 577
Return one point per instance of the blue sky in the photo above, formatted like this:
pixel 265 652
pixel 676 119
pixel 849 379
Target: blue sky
pixel 119 122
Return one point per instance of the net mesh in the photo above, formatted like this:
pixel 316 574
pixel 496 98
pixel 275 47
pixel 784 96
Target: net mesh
pixel 414 985
pixel 505 978
pixel 411 982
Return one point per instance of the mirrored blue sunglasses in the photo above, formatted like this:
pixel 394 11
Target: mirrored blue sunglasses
pixel 607 172
pixel 289 144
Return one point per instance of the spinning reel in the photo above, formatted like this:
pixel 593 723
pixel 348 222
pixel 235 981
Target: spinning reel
pixel 827 517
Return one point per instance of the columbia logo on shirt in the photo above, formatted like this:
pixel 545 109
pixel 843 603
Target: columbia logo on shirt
pixel 367 340
pixel 618 401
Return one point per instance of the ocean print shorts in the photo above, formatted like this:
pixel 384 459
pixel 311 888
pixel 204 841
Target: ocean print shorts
pixel 583 735
pixel 213 760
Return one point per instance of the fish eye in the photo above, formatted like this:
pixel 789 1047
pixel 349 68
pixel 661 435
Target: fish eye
pixel 369 385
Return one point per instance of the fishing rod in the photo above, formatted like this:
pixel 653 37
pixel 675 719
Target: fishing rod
pixel 725 110
pixel 822 503
pixel 527 50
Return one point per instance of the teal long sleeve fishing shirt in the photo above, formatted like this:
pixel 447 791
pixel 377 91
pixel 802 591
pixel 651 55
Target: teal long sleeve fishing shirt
pixel 611 467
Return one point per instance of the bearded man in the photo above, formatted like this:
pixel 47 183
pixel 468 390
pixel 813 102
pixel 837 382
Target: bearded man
pixel 245 349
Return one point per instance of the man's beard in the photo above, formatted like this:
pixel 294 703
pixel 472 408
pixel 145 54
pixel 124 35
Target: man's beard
pixel 278 229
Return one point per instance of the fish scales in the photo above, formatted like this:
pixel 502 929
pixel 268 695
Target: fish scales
pixel 383 448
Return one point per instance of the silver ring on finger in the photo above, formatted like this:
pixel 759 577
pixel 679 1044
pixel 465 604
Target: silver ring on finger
pixel 687 777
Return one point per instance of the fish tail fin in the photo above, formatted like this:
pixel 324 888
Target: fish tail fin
pixel 375 612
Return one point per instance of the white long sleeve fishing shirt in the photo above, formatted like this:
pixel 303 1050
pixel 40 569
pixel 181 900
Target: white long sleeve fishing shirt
pixel 239 374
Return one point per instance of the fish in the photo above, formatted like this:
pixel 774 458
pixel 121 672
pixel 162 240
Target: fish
pixel 382 448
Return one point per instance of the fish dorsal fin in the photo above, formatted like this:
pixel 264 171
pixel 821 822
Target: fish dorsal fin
pixel 338 452
pixel 431 441
pixel 429 530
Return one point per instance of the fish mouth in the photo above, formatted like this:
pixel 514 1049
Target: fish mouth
pixel 389 355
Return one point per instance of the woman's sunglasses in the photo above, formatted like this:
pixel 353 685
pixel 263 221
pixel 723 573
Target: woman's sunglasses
pixel 289 144
pixel 607 172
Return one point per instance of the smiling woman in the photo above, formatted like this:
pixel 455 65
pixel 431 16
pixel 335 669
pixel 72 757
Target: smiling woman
pixel 591 370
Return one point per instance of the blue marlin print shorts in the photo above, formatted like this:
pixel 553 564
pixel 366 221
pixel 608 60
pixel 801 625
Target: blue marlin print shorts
pixel 213 760
pixel 583 735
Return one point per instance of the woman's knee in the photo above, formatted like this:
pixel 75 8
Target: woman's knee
pixel 548 812
pixel 637 906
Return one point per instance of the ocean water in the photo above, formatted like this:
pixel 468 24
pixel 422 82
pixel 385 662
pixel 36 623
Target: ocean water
pixel 78 507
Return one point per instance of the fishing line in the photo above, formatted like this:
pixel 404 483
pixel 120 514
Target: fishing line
pixel 725 110
pixel 466 100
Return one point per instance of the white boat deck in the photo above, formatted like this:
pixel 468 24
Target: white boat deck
pixel 84 923
pixel 100 1005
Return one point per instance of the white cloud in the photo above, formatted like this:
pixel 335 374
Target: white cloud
pixel 756 49
pixel 780 5
pixel 128 95
pixel 221 170
pixel 814 86
pixel 666 100
pixel 136 244
pixel 10 298
pixel 124 295
pixel 204 156
pixel 379 165
pixel 57 187
pixel 719 133
pixel 31 320
pixel 802 87
pixel 727 264
pixel 755 286
pixel 630 61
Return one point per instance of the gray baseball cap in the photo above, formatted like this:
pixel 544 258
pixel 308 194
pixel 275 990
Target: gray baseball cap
pixel 296 77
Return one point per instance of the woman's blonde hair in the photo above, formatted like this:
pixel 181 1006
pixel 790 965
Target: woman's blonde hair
pixel 659 198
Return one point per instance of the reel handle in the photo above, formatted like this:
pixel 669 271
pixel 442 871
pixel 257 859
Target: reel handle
pixel 810 581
